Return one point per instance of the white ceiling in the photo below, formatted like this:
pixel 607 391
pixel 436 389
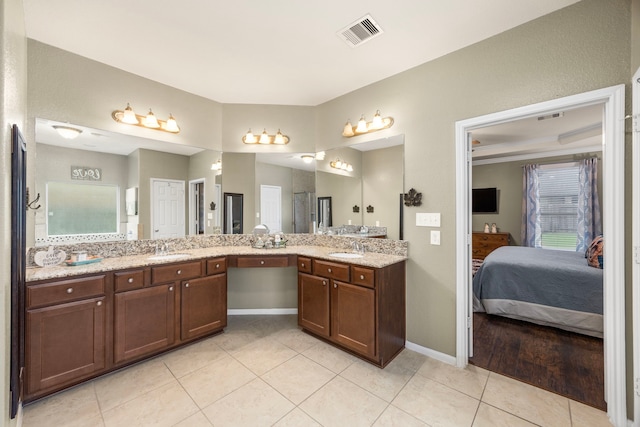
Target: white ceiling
pixel 270 52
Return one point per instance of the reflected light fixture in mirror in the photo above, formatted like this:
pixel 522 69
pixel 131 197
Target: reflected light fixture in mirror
pixel 339 164
pixel 378 123
pixel 128 116
pixel 67 132
pixel 217 166
pixel 265 138
pixel 307 158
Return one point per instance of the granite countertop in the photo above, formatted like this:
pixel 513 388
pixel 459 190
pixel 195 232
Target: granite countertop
pixel 370 259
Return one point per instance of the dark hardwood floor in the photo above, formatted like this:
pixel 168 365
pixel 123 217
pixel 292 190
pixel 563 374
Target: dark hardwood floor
pixel 565 363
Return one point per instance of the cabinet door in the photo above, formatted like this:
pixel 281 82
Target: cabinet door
pixel 203 305
pixel 64 343
pixel 144 321
pixel 313 303
pixel 353 317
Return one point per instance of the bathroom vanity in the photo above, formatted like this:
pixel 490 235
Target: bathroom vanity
pixel 82 322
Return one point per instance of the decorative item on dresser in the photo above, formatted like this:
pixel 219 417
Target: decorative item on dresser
pixel 484 243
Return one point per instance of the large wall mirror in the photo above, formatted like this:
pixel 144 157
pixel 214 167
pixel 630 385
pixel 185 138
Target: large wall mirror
pixel 103 186
pixel 367 191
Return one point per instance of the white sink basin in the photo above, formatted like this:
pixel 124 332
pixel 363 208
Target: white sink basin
pixel 167 257
pixel 345 255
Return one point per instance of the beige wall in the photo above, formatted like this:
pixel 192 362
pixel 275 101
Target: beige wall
pixel 239 176
pixel 583 47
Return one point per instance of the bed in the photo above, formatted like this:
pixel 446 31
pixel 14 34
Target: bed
pixel 547 287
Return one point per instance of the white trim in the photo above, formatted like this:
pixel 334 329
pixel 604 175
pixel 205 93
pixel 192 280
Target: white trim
pixel 192 224
pixel 268 311
pixel 613 225
pixel 635 258
pixel 542 155
pixel 442 357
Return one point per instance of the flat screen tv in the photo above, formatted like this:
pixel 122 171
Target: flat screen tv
pixel 484 200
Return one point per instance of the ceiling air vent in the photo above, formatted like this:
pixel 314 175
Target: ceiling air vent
pixel 361 31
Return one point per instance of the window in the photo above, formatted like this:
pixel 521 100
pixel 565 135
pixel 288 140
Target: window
pixel 82 208
pixel 558 192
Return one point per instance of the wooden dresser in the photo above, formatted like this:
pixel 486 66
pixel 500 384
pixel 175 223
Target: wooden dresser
pixel 482 244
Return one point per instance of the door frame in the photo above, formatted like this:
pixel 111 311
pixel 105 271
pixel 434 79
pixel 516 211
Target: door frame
pixel 193 208
pixel 613 148
pixel 635 263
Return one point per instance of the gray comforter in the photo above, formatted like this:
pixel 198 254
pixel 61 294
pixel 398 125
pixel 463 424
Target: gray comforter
pixel 548 287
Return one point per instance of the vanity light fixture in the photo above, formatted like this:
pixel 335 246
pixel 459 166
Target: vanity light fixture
pixel 339 164
pixel 378 123
pixel 67 132
pixel 217 166
pixel 265 138
pixel 149 121
pixel 320 155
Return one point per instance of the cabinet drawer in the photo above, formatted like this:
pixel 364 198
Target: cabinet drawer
pixel 331 270
pixel 216 265
pixel 64 291
pixel 263 261
pixel 304 264
pixel 128 280
pixel 363 276
pixel 173 272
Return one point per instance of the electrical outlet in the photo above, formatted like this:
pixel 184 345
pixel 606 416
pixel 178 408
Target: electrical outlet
pixel 435 237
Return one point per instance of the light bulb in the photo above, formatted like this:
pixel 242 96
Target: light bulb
pixel 150 121
pixel 249 138
pixel 279 138
pixel 172 125
pixel 348 129
pixel 264 137
pixel 362 125
pixel 377 122
pixel 129 116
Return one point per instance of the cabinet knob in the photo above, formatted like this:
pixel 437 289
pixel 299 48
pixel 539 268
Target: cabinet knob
pixel 69 290
pixel 99 303
pixel 261 262
pixel 217 265
pixel 170 288
pixel 362 277
pixel 302 264
pixel 179 272
pixel 130 280
pixel 329 270
pixel 324 283
pixel 335 285
pixel 186 285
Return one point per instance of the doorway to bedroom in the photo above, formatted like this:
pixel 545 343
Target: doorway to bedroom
pixel 608 105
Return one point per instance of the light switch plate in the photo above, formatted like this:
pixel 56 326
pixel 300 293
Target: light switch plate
pixel 435 237
pixel 424 219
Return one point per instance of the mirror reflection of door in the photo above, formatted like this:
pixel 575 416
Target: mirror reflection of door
pixel 232 213
pixel 168 209
pixel 324 212
pixel 196 207
pixel 271 207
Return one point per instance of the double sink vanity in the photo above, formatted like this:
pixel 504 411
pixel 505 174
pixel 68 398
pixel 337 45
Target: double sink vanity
pixel 85 321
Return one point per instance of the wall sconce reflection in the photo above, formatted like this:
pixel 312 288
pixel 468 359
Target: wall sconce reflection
pixel 339 164
pixel 265 138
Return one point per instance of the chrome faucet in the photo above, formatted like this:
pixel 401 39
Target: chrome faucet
pixel 358 247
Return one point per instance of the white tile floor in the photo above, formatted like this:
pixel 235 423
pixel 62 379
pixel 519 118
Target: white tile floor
pixel 263 371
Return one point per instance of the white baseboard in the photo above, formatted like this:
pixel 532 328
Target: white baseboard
pixel 267 311
pixel 442 357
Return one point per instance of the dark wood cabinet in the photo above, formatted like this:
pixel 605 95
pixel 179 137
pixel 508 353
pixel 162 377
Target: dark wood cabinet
pixel 203 306
pixel 313 303
pixel 361 309
pixel 353 317
pixel 144 322
pixel 66 332
pixel 482 244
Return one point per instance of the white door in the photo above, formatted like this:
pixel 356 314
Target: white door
pixel 271 207
pixel 167 204
pixel 635 188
